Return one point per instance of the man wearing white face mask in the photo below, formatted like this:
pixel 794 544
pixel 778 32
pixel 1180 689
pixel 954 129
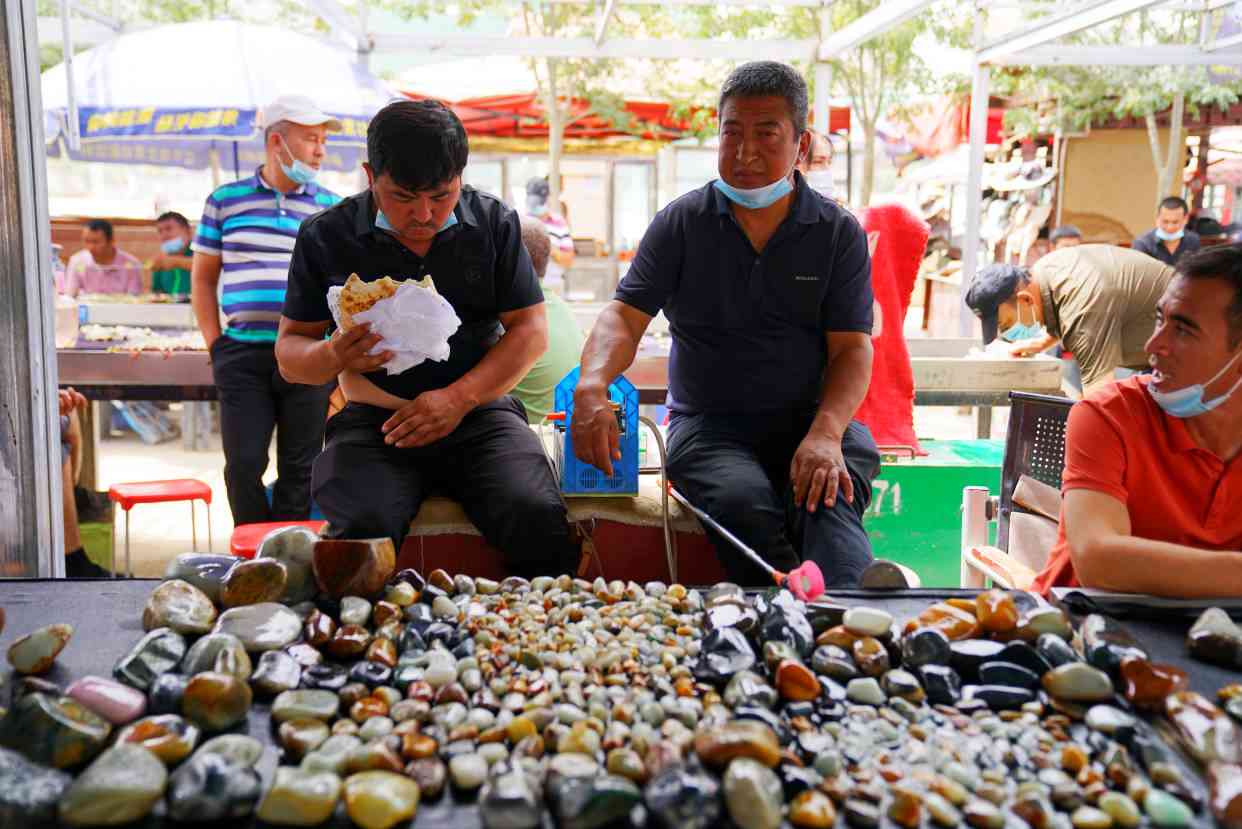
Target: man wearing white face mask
pixel 766 286
pixel 241 254
pixel 1153 465
pixel 1169 240
pixel 1096 301
pixel 816 165
pixel 562 256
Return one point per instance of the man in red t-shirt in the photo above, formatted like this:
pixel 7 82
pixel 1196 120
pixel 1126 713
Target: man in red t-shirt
pixel 1153 465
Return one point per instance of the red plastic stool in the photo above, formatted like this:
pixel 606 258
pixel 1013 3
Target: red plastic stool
pixel 158 492
pixel 244 542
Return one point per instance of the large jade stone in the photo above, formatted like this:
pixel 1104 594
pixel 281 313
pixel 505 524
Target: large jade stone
pixel 35 652
pixel 57 732
pixel 261 627
pixel 157 653
pixel 181 606
pixel 293 547
pixel 121 786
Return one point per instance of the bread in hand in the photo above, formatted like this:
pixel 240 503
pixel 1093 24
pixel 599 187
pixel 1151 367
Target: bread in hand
pixel 358 296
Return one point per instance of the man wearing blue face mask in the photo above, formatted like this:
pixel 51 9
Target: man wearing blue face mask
pixel 170 270
pixel 442 426
pixel 1153 465
pixel 241 267
pixel 766 285
pixel 1096 301
pixel 1169 240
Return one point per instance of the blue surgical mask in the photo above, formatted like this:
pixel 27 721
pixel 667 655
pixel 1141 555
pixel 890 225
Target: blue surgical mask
pixel 172 246
pixel 1165 236
pixel 536 206
pixel 299 172
pixel 1021 331
pixel 1189 402
pixel 381 221
pixel 756 198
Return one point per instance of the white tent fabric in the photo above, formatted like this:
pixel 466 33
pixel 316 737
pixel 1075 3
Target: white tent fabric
pixel 218 63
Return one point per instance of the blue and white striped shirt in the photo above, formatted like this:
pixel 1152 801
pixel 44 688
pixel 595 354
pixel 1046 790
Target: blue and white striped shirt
pixel 252 228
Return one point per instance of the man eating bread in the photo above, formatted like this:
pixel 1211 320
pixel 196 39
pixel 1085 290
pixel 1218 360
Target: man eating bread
pixel 444 426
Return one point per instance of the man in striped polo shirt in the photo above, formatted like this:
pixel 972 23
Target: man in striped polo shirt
pixel 241 268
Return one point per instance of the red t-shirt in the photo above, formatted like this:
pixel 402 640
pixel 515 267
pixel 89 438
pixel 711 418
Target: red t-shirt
pixel 1120 443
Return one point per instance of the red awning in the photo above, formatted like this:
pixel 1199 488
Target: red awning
pixel 939 126
pixel 521 116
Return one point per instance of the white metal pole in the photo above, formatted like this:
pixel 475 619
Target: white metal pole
pixel 823 104
pixel 66 39
pixel 980 77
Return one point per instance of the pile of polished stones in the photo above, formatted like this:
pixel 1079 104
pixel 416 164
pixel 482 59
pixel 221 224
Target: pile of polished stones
pixel 603 703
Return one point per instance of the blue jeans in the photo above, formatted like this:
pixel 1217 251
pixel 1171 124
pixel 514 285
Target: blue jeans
pixel 736 468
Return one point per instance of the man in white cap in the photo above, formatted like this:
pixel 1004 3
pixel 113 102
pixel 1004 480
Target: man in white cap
pixel 241 264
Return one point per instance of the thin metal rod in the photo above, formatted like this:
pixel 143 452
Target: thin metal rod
pixel 193 526
pixel 128 571
pixel 730 537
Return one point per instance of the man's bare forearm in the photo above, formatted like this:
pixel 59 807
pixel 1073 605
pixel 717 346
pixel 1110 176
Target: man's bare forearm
pixel 504 365
pixel 306 360
pixel 1129 564
pixel 845 385
pixel 610 349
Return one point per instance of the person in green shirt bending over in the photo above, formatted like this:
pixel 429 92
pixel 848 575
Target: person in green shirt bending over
pixel 537 390
pixel 170 270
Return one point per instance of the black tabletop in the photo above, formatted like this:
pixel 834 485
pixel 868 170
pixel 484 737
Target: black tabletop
pixel 107 620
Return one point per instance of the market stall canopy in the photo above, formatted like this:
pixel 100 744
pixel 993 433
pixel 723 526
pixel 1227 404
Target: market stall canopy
pixel 521 115
pixel 171 94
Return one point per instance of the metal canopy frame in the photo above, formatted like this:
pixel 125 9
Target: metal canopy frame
pixel 1033 44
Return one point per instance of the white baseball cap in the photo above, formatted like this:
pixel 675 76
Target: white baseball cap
pixel 297 109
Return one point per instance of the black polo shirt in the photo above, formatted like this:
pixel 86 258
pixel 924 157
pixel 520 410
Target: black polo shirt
pixel 1151 244
pixel 479 265
pixel 748 328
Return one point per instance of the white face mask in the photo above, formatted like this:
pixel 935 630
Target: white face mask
pixel 821 181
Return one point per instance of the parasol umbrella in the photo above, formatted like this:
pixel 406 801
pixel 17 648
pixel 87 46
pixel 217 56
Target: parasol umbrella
pixel 177 95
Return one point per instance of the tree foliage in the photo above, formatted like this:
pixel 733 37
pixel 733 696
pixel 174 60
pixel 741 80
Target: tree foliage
pixel 1073 98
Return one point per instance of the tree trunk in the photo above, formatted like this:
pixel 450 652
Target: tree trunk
pixel 1168 161
pixel 868 170
pixel 1153 142
pixel 556 137
pixel 1177 148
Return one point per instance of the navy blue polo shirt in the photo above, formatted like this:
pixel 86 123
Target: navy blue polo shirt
pixel 748 328
pixel 479 265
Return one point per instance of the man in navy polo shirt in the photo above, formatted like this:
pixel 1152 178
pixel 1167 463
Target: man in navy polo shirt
pixel 767 288
pixel 446 426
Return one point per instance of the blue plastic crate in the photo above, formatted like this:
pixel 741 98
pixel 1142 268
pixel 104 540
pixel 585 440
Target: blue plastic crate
pixel 581 479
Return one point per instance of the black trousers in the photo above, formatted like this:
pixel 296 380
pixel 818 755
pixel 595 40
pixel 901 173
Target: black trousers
pixel 736 468
pixel 254 401
pixel 492 464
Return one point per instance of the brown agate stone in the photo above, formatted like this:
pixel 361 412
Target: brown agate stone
pixel 1148 684
pixel 354 567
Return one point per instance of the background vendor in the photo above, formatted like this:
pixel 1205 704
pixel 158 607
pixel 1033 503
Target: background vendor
pixel 1153 465
pixel 537 390
pixel 101 267
pixel 767 289
pixel 1097 301
pixel 1169 240
pixel 456 430
pixel 170 269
